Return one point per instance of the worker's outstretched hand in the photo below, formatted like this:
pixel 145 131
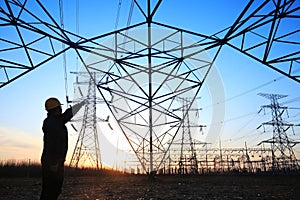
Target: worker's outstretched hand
pixel 83 102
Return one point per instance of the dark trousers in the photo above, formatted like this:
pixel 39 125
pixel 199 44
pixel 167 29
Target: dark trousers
pixel 52 181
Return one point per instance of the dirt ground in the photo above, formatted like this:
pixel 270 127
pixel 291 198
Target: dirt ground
pixel 162 187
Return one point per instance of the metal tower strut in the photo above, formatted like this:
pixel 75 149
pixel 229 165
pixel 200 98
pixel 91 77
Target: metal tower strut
pixel 146 68
pixel 283 156
pixel 87 149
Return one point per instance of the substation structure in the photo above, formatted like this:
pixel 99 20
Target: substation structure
pixel 188 155
pixel 219 160
pixel 205 160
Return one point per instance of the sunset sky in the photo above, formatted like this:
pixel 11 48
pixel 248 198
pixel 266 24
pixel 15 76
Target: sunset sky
pixel 22 101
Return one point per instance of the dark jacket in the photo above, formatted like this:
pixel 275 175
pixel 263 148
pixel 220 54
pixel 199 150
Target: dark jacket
pixel 56 135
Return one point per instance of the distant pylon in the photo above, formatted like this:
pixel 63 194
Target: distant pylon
pixel 283 156
pixel 188 162
pixel 87 146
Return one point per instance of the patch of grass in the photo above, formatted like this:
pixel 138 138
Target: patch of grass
pixel 27 169
pixel 13 168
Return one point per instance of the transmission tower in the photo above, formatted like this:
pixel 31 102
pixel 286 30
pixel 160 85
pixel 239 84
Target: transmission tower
pixel 146 68
pixel 283 156
pixel 188 156
pixel 87 146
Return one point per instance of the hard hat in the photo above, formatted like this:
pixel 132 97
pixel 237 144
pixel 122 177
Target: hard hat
pixel 52 103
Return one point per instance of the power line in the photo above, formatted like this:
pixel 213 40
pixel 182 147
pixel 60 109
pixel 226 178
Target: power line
pixel 249 91
pixel 292 100
pixel 77 17
pixel 130 13
pixel 246 124
pixel 255 88
pixel 77 29
pixel 244 93
pixel 61 11
pixel 241 137
pixel 118 14
pixel 239 117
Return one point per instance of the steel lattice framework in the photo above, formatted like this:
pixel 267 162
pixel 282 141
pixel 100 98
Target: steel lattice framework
pixel 147 69
pixel 283 156
pixel 87 149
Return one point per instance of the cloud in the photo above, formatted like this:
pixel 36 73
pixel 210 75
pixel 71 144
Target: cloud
pixel 18 144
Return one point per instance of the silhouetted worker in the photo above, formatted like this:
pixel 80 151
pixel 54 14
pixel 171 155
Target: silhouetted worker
pixel 55 147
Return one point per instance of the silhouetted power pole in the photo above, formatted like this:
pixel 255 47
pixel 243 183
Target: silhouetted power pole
pixel 283 156
pixel 87 146
pixel 188 162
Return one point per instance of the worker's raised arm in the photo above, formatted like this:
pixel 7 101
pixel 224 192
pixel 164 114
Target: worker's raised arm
pixel 70 112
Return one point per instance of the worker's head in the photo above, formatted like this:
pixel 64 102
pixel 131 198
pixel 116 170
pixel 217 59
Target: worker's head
pixel 53 105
